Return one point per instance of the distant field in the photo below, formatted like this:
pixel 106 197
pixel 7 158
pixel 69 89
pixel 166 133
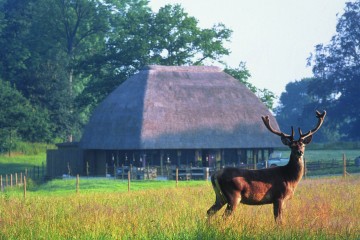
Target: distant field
pixel 327 208
pixel 19 163
pixel 327 155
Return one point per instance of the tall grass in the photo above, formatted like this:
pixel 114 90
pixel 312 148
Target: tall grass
pixel 321 209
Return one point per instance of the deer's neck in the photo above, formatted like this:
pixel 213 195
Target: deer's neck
pixel 295 168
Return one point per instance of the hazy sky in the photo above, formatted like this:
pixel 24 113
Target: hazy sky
pixel 274 37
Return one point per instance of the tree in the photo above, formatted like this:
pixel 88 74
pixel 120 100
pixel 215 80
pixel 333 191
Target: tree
pixel 141 37
pixel 14 114
pixel 45 40
pixel 65 56
pixel 336 67
pixel 242 74
pixel 177 39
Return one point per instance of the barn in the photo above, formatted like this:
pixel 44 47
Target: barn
pixel 167 116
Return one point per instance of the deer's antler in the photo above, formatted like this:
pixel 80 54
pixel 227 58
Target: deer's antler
pixel 266 121
pixel 320 117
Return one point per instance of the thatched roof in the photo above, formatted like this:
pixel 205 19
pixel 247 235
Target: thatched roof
pixel 193 107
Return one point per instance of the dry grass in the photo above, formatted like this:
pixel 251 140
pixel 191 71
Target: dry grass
pixel 321 209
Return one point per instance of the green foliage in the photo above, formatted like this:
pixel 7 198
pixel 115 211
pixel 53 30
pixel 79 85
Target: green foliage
pixel 14 110
pixel 336 68
pixel 177 40
pixel 296 110
pixel 66 58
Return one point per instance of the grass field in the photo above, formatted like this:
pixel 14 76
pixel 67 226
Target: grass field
pixel 327 208
pixel 18 163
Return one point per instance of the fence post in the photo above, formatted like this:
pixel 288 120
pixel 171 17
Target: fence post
pixel 1 183
pixel 305 169
pixel 11 180
pixel 16 180
pixel 344 165
pixel 177 176
pixel 24 187
pixel 77 183
pixel 129 177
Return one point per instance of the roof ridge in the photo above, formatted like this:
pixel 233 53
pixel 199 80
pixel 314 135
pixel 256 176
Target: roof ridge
pixel 163 68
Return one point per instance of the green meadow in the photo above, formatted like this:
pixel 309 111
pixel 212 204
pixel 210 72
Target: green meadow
pixel 322 208
pixel 325 208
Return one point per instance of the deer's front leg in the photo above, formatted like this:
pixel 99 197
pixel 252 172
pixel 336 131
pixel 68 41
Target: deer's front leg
pixel 278 206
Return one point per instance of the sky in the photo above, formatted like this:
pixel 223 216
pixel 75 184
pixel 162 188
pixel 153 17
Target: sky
pixel 273 37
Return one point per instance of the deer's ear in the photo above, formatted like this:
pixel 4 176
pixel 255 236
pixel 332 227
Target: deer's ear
pixel 286 141
pixel 307 140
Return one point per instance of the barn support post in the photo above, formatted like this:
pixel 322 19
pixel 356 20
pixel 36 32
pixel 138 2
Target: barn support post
pixel 114 171
pixel 87 168
pixel 129 178
pixel 222 156
pixel 122 172
pixel 130 170
pixel 69 169
pixel 255 157
pixel 162 163
pixel 178 158
pixel 238 151
pixel 177 176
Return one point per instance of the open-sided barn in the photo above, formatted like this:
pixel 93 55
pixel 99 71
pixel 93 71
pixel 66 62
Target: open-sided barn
pixel 176 116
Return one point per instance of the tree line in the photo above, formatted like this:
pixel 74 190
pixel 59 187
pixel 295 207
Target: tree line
pixel 60 58
pixel 334 87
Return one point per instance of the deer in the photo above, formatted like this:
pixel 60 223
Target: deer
pixel 263 186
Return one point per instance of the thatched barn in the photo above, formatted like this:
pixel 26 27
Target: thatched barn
pixel 177 116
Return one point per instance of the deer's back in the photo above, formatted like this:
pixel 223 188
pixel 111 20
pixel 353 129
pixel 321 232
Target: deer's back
pixel 254 186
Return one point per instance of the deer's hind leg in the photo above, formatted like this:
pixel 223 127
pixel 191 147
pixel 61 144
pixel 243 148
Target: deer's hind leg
pixel 216 207
pixel 233 202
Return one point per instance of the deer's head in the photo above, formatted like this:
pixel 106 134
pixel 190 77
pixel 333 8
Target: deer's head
pixel 297 146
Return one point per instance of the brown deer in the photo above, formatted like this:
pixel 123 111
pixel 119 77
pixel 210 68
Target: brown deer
pixel 265 186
